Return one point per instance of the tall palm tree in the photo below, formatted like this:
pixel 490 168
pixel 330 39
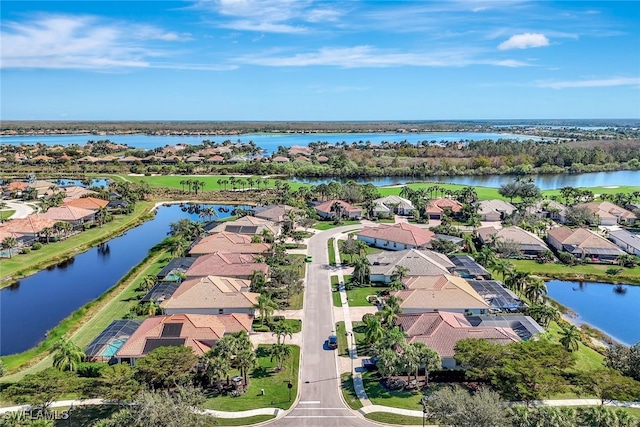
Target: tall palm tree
pixel 399 273
pixel 281 330
pixel 361 270
pixel 245 360
pixel 373 330
pixel 218 367
pixel 67 355
pixel 337 209
pixel 266 306
pixel 387 362
pixel 535 290
pixel 518 281
pixel 409 362
pixel 570 338
pixel 428 358
pixel 177 247
pixel 280 352
pixel 9 243
pixel 148 282
pixel 504 267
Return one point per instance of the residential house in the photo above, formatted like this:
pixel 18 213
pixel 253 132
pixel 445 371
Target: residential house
pixel 396 237
pixel 196 331
pixel 226 264
pixel 212 295
pixel 583 243
pixel 275 213
pixel 75 192
pixel 441 331
pixel 247 225
pixel 436 208
pixel 418 263
pixel 610 214
pixel 389 205
pixel 629 242
pixel 326 209
pixel 29 229
pixel 467 267
pixel 549 209
pixel 90 203
pixel 228 242
pixel 172 269
pixel 280 159
pixel 444 292
pixel 77 217
pixel 104 347
pixel 529 245
pixel 494 210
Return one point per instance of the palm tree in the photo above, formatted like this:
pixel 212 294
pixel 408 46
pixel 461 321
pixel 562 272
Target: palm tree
pixel 570 338
pixel 387 362
pixel 504 267
pixel 409 362
pixel 535 290
pixel 518 281
pixel 148 282
pixel 9 243
pixel 337 209
pixel 177 247
pixel 266 306
pixel 543 313
pixel 101 215
pixel 280 353
pixel 218 367
pixel 399 273
pixel 361 270
pixel 427 358
pixel 245 360
pixel 67 355
pixel 281 330
pixel 373 330
pixel 47 232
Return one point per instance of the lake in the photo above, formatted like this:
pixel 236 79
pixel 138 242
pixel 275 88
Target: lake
pixel 268 141
pixel 615 314
pixel 39 302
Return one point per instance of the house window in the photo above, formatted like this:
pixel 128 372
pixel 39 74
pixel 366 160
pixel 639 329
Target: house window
pixel 221 311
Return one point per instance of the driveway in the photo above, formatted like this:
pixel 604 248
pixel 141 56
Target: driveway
pixel 22 209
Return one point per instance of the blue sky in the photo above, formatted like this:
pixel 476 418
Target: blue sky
pixel 319 60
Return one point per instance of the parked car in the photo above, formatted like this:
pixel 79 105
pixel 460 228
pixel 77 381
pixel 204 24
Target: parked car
pixel 309 258
pixel 332 342
pixel 370 364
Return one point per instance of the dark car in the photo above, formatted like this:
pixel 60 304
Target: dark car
pixel 332 342
pixel 370 364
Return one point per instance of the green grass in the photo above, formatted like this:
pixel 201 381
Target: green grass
pixel 389 418
pixel 337 300
pixel 243 421
pixel 584 272
pixel 295 246
pixel 55 252
pixel 357 297
pixel 332 251
pixel 296 301
pixel 263 377
pixel 211 182
pixel 380 396
pixel 343 347
pixel 4 215
pixel 587 359
pixel 348 392
pixel 328 225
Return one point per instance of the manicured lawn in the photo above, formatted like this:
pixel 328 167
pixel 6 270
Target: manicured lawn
pixel 243 421
pixel 211 182
pixel 381 396
pixel 332 251
pixel 389 418
pixel 327 225
pixel 357 297
pixel 296 301
pixel 263 377
pixel 337 300
pixel 590 272
pixel 358 331
pixel 52 253
pixel 6 214
pixel 348 392
pixel 587 359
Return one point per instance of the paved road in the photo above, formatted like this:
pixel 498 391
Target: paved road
pixel 22 210
pixel 320 403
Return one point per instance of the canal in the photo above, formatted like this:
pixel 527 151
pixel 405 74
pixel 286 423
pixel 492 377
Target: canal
pixel 37 303
pixel 613 311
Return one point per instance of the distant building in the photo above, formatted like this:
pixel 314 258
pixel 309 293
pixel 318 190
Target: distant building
pixel 436 208
pixel 418 263
pixel 628 242
pixel 325 209
pixel 396 237
pixel 495 210
pixel 583 243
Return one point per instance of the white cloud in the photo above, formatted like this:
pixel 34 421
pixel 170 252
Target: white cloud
pixel 614 81
pixel 524 41
pixel 370 57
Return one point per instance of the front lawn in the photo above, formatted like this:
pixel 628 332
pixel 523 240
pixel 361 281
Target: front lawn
pixel 4 215
pixel 332 251
pixel 378 395
pixel 348 392
pixel 276 393
pixel 389 418
pixel 589 272
pixel 358 331
pixel 357 297
pixel 327 225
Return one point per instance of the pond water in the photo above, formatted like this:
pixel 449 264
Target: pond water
pixel 39 302
pixel 268 141
pixel 599 305
pixel 544 182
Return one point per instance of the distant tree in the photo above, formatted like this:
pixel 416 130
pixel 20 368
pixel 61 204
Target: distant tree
pixel 608 384
pixel 570 338
pixel 42 388
pixel 166 366
pixel 67 355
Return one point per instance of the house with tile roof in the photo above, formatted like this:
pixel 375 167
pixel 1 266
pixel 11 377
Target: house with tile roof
pixel 30 226
pixel 392 204
pixel 247 225
pixel 584 244
pixel 228 242
pixel 610 214
pixel 75 192
pixel 441 331
pixel 551 209
pixel 628 242
pixel 275 213
pixel 436 208
pixel 494 210
pixel 90 203
pixel 418 263
pixel 212 295
pixel 529 245
pixel 325 209
pixel 422 294
pixel 77 217
pixel 226 264
pixel 396 237
pixel 196 331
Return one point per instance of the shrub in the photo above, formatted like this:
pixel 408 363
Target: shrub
pixel 36 246
pixel 25 250
pixel 90 370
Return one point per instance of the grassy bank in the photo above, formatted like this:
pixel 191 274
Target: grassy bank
pixel 583 272
pixel 89 320
pixel 348 392
pixel 53 253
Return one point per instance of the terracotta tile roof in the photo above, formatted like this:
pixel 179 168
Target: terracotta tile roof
pixel 581 237
pixel 225 264
pixel 247 225
pixel 439 205
pixel 298 149
pixel 215 159
pixel 90 203
pixel 322 159
pixel 441 331
pixel 75 192
pixel 275 213
pixel 513 233
pixel 199 332
pixel 67 213
pixel 326 206
pixel 419 262
pixel 608 209
pixel 17 186
pixel 560 233
pixel 228 242
pixel 402 232
pixel 439 293
pixel 212 292
pixel 280 159
pixel 32 224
